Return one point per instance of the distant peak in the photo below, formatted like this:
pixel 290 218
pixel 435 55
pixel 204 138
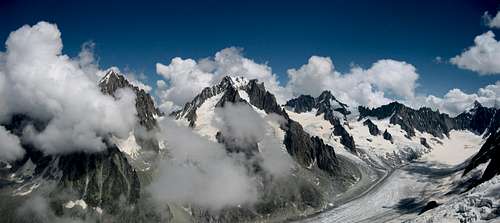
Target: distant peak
pixel 477 104
pixel 326 93
pixel 111 74
pixel 235 81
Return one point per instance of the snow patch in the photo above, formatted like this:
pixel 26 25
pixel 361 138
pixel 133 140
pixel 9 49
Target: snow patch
pixel 72 204
pixel 205 118
pixel 129 145
pixel 456 149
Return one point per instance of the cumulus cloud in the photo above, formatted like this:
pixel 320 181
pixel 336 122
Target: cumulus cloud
pixel 37 80
pixel 200 172
pixel 483 57
pixel 37 209
pixel 492 22
pixel 456 101
pixel 240 123
pixel 10 146
pixel 243 127
pixel 187 77
pixel 359 86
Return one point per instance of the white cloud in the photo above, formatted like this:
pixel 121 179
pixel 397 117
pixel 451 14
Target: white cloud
pixel 187 77
pixel 492 22
pixel 359 86
pixel 200 172
pixel 483 57
pixel 456 101
pixel 10 146
pixel 45 84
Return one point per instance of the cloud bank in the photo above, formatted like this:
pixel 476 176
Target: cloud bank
pixel 483 57
pixel 10 146
pixel 359 86
pixel 202 172
pixel 187 77
pixel 492 22
pixel 456 101
pixel 36 79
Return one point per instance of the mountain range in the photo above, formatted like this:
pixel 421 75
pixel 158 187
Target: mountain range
pixel 305 157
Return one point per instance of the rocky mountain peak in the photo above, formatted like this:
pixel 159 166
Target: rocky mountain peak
pixel 332 110
pixel 323 103
pixel 144 103
pixel 113 81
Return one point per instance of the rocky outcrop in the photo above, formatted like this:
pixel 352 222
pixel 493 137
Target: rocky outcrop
pixel 423 119
pixel 489 152
pixel 423 142
pixel 303 103
pixel 372 128
pixel 477 119
pixel 98 178
pixel 387 135
pixel 295 193
pixel 144 103
pixel 426 120
pixel 306 150
pixel 189 110
pixel 146 115
pixel 332 110
pixel 263 99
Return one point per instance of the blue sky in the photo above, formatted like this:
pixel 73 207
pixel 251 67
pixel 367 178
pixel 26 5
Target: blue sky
pixel 136 35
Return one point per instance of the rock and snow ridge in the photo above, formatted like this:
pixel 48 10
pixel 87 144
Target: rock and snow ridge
pixel 332 110
pixel 199 114
pixel 308 135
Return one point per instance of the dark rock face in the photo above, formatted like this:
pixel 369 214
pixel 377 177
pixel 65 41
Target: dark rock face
pixel 324 102
pixel 490 151
pixel 189 110
pixel 387 135
pixel 263 99
pixel 494 124
pixel 146 111
pixel 144 103
pixel 303 103
pixel 101 178
pixel 430 205
pixel 327 105
pixel 371 127
pixel 98 178
pixel 423 141
pixel 304 148
pixel 425 120
pixel 327 101
pixel 345 138
pixel 476 120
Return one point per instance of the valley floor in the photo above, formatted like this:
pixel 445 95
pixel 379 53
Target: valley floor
pixel 401 195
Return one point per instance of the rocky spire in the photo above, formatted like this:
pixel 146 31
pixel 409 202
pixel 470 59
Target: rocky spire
pixel 144 103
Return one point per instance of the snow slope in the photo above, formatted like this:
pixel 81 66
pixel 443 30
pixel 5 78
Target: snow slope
pixel 402 195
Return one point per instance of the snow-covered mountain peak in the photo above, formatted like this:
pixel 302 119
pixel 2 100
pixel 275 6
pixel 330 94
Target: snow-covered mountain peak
pixel 111 74
pixel 239 82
